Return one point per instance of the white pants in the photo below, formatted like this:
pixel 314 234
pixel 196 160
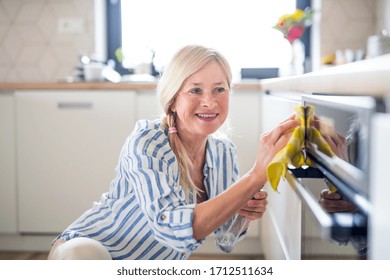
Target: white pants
pixel 80 248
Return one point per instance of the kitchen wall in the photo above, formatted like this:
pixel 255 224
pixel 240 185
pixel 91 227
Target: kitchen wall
pixel 36 38
pixel 346 24
pixel 33 48
pixel 383 12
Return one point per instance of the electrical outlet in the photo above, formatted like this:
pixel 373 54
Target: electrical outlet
pixel 71 26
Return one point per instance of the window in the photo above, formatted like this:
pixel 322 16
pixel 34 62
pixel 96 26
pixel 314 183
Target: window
pixel 241 30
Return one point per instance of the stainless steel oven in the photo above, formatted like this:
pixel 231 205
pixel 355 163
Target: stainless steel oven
pixel 345 119
pixel 324 232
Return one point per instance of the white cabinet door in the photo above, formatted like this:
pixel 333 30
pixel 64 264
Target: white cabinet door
pixel 7 164
pixel 244 128
pixel 379 223
pixel 68 147
pixel 148 106
pixel 281 224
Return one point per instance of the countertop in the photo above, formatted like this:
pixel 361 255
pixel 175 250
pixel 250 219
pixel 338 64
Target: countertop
pixel 366 77
pixel 245 85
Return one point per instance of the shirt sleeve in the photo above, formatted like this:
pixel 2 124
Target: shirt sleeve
pixel 153 172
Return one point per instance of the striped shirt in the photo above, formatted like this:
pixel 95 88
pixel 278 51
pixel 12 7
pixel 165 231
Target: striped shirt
pixel 146 214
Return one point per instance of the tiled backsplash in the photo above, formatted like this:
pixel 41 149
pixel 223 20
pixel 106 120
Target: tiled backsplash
pixel 346 24
pixel 31 46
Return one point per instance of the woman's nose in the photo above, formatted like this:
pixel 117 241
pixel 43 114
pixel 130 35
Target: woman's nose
pixel 208 100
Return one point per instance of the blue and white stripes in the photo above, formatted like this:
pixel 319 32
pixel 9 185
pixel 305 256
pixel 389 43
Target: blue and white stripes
pixel 146 214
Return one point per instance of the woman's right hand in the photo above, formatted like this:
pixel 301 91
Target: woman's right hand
pixel 333 202
pixel 336 141
pixel 272 142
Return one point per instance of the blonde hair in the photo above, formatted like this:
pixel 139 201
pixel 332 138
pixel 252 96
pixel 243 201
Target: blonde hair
pixel 187 61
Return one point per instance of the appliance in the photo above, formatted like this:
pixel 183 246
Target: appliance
pixel 346 118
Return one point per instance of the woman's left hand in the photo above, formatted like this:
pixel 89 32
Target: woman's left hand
pixel 255 208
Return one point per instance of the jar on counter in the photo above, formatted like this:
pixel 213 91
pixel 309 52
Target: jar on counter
pixel 378 44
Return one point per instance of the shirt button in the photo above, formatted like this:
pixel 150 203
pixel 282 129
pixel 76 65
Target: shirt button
pixel 163 217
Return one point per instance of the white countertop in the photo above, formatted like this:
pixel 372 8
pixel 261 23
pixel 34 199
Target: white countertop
pixel 366 77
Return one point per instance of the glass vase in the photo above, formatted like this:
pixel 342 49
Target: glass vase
pixel 297 63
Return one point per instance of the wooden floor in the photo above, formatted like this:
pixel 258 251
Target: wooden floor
pixel 43 256
pixel 23 255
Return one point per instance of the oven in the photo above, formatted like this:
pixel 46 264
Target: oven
pixel 327 233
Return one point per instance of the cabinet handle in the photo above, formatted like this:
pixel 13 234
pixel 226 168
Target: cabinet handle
pixel 74 105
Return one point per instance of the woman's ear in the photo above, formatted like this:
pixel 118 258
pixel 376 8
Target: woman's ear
pixel 173 108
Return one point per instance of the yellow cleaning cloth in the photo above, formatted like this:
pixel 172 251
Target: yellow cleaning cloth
pixel 292 154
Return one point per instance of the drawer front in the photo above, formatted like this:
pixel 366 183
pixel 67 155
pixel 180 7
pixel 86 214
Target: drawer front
pixel 68 147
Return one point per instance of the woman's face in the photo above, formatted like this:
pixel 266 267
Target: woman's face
pixel 202 103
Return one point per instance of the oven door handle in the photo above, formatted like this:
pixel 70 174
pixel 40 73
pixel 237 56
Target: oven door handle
pixel 334 226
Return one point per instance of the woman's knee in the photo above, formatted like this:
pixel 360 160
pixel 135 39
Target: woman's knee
pixel 80 248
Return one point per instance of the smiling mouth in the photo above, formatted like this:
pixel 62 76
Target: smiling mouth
pixel 206 116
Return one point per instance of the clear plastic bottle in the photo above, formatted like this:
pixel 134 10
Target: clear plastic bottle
pixel 230 232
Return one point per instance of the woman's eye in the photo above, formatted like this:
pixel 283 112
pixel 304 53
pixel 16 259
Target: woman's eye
pixel 220 90
pixel 196 91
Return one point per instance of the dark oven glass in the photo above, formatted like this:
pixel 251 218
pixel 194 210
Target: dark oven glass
pixel 345 118
pixel 344 122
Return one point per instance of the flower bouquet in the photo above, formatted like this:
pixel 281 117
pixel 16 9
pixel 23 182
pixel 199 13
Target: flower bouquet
pixel 293 25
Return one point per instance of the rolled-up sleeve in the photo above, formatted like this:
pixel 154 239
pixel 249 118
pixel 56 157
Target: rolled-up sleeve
pixel 153 172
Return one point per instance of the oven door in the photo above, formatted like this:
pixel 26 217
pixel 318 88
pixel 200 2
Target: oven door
pixel 344 122
pixel 324 233
pixel 344 119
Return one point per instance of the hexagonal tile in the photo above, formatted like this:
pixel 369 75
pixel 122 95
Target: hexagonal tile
pixel 5 60
pixel 29 34
pixel 29 12
pixel 62 72
pixel 3 73
pixel 84 8
pixel 47 23
pixel 63 8
pixel 30 54
pixel 4 18
pixel 357 9
pixel 3 30
pixel 12 43
pixel 13 75
pixel 30 73
pixel 11 7
pixel 65 53
pixel 48 64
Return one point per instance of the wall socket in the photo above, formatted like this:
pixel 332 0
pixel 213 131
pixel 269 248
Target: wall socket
pixel 71 25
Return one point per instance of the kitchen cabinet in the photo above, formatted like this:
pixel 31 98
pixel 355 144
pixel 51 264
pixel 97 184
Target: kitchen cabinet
pixel 379 225
pixel 147 105
pixel 244 127
pixel 281 224
pixel 7 164
pixel 68 145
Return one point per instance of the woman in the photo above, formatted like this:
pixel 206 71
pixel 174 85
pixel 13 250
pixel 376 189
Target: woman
pixel 176 181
